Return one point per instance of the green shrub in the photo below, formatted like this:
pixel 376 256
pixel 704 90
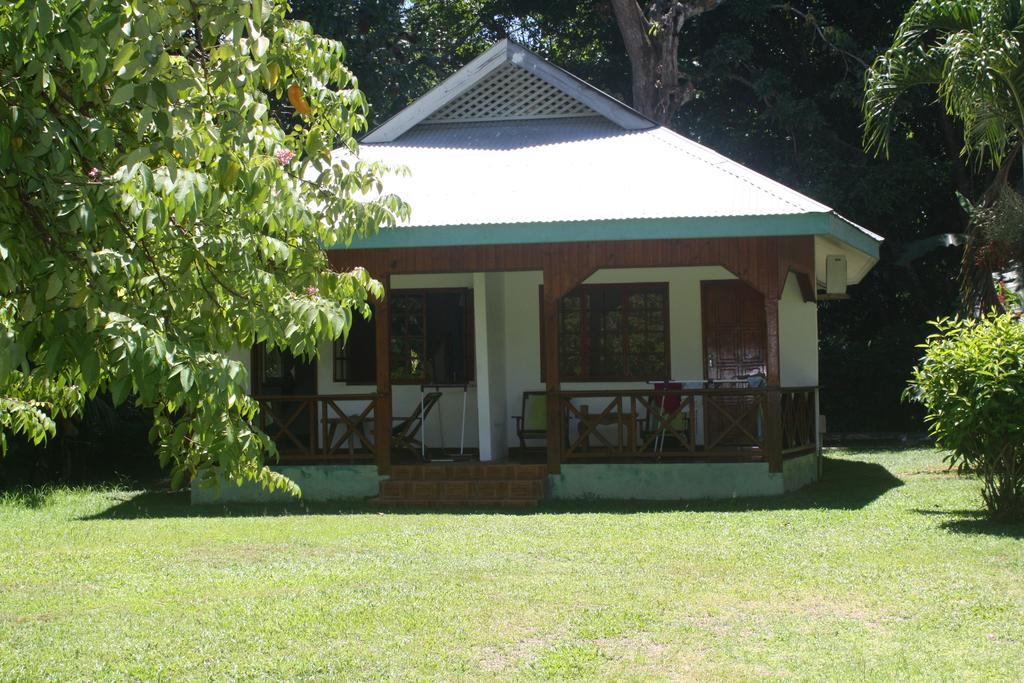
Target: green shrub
pixel 971 381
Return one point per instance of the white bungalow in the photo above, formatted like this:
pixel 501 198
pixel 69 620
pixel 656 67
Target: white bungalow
pixel 583 304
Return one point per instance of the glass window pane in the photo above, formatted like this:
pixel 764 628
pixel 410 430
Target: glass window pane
pixel 603 324
pixel 571 366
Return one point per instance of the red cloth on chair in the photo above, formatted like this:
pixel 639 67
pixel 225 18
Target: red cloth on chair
pixel 669 403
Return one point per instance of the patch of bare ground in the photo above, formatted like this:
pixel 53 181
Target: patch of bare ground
pixel 820 608
pixel 647 656
pixel 223 556
pixel 41 618
pixel 509 658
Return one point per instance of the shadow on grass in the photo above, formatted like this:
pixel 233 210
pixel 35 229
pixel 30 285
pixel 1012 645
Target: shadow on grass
pixel 984 526
pixel 845 485
pixel 975 522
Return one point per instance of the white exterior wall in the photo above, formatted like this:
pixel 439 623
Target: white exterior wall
pixel 522 341
pixel 798 343
pixel 798 337
pixel 497 372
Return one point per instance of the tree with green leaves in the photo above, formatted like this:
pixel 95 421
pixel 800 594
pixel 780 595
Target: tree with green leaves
pixel 167 187
pixel 971 52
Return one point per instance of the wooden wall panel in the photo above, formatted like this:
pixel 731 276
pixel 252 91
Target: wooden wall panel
pixel 553 279
pixel 797 256
pixel 762 262
pixel 382 410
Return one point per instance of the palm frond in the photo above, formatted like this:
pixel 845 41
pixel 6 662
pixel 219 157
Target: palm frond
pixel 890 78
pixel 995 239
pixel 938 17
pixel 971 52
pixel 986 135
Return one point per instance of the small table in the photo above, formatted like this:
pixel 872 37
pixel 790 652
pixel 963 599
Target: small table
pixel 587 425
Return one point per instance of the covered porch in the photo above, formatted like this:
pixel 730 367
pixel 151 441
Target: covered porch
pixel 711 359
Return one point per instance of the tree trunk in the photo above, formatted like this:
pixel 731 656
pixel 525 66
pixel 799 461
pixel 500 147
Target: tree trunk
pixel 652 43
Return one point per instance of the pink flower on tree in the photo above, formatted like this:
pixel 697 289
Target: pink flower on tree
pixel 312 291
pixel 95 174
pixel 284 156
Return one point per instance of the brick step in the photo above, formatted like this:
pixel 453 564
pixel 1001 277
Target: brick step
pixel 463 490
pixel 425 503
pixel 468 472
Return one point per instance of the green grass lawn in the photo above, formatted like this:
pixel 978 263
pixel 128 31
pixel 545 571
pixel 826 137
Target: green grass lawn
pixel 884 570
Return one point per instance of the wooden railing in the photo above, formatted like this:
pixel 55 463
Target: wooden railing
pixel 799 431
pixel 329 427
pixel 687 423
pixel 717 423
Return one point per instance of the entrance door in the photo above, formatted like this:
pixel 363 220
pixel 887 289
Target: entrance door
pixel 291 422
pixel 734 328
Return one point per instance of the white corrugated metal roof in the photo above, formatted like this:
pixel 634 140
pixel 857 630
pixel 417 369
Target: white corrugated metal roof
pixel 574 169
pixel 497 155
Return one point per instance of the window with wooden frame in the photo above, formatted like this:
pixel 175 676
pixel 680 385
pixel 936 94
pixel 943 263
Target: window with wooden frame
pixel 355 360
pixel 614 332
pixel 431 340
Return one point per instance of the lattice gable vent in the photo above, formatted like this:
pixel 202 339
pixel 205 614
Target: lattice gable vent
pixel 510 93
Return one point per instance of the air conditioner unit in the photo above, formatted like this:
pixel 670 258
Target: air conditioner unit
pixel 835 275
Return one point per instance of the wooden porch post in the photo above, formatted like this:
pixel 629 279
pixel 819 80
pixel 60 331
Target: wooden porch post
pixel 382 409
pixel 773 399
pixel 552 371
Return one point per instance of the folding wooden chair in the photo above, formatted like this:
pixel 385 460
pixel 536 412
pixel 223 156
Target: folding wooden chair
pixel 405 434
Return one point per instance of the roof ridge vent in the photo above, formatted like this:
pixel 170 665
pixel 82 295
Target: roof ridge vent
pixel 510 93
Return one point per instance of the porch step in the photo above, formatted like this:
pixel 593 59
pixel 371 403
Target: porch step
pixel 464 485
pixel 467 472
pixel 431 503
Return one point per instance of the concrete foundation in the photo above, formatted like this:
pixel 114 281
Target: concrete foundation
pixel 680 481
pixel 318 483
pixel 800 472
pixel 613 481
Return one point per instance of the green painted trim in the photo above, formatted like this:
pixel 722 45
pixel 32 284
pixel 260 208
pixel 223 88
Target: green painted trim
pixel 612 481
pixel 318 483
pixel 623 230
pixel 800 471
pixel 665 481
pixel 854 235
